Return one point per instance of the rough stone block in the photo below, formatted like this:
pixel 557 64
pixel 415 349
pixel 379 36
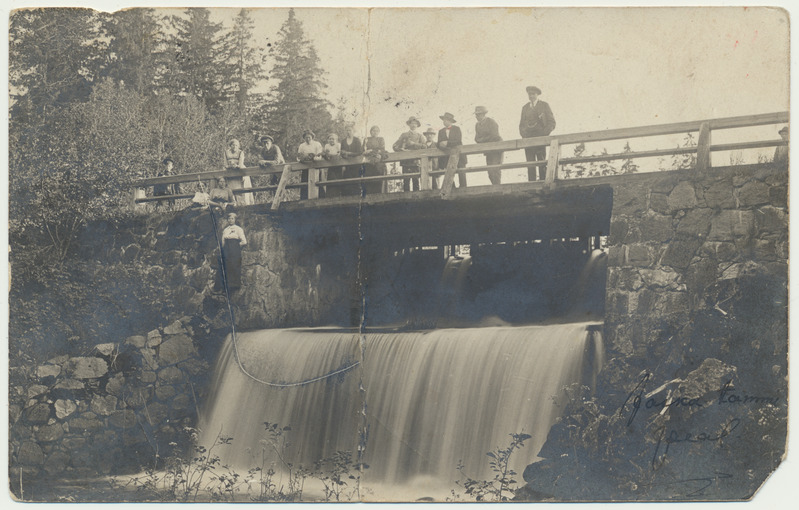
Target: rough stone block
pixel 43 371
pixel 103 406
pixel 88 367
pixel 176 348
pixel 766 249
pixel 696 222
pixel 742 269
pixel 69 384
pixel 136 341
pixel 656 227
pixel 154 341
pixel 164 393
pixel 115 385
pixel 176 328
pixel 148 359
pixel 85 424
pixel 661 279
pixel 138 397
pixel 679 253
pixel 64 407
pixel 638 255
pixel 719 195
pixel 770 220
pixel 148 376
pixel 48 433
pixel 194 366
pixel 629 199
pixel 56 463
pixel 38 413
pixel 727 225
pixel 659 202
pixel 753 193
pixel 106 349
pixel 683 196
pixel 778 196
pixel 30 454
pixel 156 413
pixel 36 390
pixel 170 375
pixel 123 419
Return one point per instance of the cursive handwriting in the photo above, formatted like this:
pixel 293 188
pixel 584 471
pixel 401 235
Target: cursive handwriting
pixel 726 396
pixel 674 437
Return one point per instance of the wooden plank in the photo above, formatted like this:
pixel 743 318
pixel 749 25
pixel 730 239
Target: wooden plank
pixel 703 148
pixel 747 145
pixel 313 178
pixel 426 166
pixel 449 177
pixel 281 187
pixel 552 163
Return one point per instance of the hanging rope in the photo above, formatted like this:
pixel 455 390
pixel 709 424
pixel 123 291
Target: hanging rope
pixel 233 326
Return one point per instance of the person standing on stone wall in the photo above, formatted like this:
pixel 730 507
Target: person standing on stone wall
pixel 485 131
pixel 537 120
pixel 233 240
pixel 781 153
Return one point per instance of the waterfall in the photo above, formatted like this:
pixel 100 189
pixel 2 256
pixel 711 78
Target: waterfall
pixel 433 398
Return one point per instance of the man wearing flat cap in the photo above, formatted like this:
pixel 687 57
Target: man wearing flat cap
pixel 486 130
pixel 537 120
pixel 450 137
pixel 782 151
pixel 410 140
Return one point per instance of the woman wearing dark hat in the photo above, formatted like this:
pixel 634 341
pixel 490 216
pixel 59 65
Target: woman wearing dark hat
pixel 410 140
pixel 450 137
pixel 781 152
pixel 310 151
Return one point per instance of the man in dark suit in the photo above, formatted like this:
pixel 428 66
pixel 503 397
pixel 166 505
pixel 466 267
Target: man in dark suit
pixel 537 120
pixel 450 137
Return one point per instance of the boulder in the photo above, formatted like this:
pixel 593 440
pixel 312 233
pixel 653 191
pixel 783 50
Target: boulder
pixel 30 454
pixel 88 367
pixel 136 341
pixel 36 390
pixel 69 384
pixel 37 414
pixel 683 196
pixel 106 349
pixel 123 419
pixel 104 406
pixel 115 385
pixel 171 375
pixel 48 433
pixel 176 328
pixel 85 423
pixel 44 371
pixel 56 463
pixel 64 408
pixel 175 349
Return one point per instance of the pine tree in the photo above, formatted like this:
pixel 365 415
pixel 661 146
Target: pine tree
pixel 196 62
pixel 133 48
pixel 246 60
pixel 297 102
pixel 54 57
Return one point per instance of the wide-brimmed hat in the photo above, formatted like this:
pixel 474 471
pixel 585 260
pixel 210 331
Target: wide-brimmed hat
pixel 308 132
pixel 480 109
pixel 168 160
pixel 532 88
pixel 413 120
pixel 783 130
pixel 447 116
pixel 430 131
pixel 267 137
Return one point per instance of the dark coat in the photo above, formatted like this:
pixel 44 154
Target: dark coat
pixel 455 139
pixel 536 120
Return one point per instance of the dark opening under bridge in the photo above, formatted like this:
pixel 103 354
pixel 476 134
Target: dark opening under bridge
pixel 555 206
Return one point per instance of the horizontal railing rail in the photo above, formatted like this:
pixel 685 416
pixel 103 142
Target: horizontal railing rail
pixel 554 161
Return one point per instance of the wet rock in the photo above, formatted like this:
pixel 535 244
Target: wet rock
pixel 753 193
pixel 176 328
pixel 64 408
pixel 170 375
pixel 88 368
pixel 115 385
pixel 156 413
pixel 164 393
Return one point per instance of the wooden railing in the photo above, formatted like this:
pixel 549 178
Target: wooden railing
pixel 554 161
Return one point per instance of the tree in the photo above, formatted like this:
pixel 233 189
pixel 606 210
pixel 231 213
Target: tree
pixel 629 165
pixel 133 48
pixel 195 60
pixel 247 61
pixel 54 57
pixel 297 102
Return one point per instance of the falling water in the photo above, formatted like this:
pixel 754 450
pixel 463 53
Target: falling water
pixel 433 398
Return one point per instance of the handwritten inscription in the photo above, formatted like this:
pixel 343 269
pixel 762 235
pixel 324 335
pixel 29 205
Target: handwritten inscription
pixel 665 441
pixel 727 395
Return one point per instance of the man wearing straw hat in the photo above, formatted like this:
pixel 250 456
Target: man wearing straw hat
pixel 450 137
pixel 537 120
pixel 486 130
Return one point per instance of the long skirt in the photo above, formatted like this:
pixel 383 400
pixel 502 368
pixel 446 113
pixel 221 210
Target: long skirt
pixel 231 259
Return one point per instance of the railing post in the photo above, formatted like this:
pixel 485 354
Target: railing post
pixel 426 166
pixel 281 186
pixel 449 177
pixel 703 148
pixel 553 162
pixel 313 178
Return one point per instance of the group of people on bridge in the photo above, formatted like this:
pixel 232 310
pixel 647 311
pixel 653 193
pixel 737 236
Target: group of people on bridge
pixel 536 120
